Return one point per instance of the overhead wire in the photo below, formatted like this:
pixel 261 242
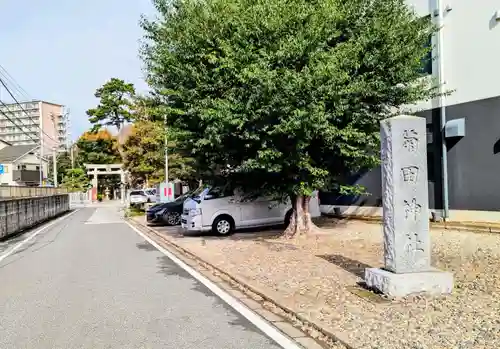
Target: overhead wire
pixel 2 82
pixel 12 121
pixel 18 88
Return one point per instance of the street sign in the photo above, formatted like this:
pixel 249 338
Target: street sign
pixel 1 169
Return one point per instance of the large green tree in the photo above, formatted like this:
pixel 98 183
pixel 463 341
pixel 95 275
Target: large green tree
pixel 287 93
pixel 76 180
pixel 97 148
pixel 144 153
pixel 116 98
pixel 148 108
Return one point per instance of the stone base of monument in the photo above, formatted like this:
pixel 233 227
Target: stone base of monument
pixel 433 282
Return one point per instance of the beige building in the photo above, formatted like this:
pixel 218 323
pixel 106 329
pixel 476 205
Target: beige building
pixel 32 117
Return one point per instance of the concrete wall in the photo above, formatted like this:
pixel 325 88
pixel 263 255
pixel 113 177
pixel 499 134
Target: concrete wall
pixel 17 215
pixel 474 160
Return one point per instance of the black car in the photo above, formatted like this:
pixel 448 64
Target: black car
pixel 168 213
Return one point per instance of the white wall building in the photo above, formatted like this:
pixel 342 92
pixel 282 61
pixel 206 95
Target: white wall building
pixel 463 167
pixel 32 116
pixel 470 43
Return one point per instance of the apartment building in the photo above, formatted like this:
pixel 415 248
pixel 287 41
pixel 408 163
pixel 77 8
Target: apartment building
pixel 32 117
pixel 464 164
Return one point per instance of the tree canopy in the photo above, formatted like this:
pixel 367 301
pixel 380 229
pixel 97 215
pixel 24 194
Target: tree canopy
pixel 115 100
pixel 144 153
pixel 148 108
pixel 76 180
pixel 63 164
pixel 287 93
pixel 97 148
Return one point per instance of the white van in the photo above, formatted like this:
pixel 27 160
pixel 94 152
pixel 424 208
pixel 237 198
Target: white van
pixel 222 210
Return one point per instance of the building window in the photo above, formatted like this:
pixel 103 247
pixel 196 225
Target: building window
pixel 426 62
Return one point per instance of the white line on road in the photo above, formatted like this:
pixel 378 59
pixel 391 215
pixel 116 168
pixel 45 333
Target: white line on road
pixel 268 329
pixel 32 236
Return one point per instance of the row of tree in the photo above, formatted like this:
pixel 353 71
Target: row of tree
pixel 141 150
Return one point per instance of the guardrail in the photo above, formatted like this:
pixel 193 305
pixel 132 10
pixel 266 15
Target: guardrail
pixel 29 192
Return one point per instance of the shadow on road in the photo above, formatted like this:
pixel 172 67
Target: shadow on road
pixel 169 269
pixel 352 266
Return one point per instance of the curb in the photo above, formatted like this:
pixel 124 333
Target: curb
pixel 309 327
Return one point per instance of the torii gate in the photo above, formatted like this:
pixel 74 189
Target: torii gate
pixel 96 169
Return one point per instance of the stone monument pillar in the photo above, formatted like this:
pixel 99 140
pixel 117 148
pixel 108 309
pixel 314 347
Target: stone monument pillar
pixel 407 250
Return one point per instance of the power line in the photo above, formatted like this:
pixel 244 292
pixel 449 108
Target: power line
pixel 24 110
pixel 16 125
pixel 17 87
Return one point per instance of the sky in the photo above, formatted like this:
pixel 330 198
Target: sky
pixel 61 51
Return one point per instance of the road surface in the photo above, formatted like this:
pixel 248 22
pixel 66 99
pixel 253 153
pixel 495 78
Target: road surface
pixel 90 281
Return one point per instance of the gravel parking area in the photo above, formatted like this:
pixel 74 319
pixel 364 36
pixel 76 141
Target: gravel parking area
pixel 318 276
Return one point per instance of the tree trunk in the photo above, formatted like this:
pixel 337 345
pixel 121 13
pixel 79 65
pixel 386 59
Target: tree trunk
pixel 301 223
pixel 119 144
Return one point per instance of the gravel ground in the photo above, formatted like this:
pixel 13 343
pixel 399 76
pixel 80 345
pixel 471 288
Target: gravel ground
pixel 317 277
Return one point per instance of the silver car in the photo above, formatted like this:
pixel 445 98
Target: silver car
pixel 142 196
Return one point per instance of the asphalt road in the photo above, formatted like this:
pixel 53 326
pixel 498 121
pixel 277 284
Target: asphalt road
pixel 89 281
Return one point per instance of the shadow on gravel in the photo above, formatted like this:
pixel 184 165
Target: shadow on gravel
pixel 331 221
pixel 242 234
pixel 353 266
pixel 267 233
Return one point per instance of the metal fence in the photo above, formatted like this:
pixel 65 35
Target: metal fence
pixel 80 198
pixel 27 192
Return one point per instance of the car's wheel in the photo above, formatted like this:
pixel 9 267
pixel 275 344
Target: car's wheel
pixel 223 225
pixel 173 218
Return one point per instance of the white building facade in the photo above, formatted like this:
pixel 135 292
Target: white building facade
pixel 470 38
pixel 464 164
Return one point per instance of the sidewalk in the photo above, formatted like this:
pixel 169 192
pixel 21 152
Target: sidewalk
pixel 317 279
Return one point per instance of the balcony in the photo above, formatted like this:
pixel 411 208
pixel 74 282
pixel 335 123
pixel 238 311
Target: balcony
pixel 26 176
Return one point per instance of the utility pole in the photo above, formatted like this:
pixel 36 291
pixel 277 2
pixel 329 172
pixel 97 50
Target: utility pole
pixel 72 157
pixel 54 149
pixel 41 144
pixel 54 161
pixel 166 151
